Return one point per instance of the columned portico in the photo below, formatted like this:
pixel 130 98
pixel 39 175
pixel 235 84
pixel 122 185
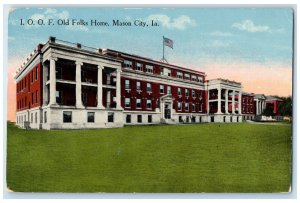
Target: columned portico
pixel 166 103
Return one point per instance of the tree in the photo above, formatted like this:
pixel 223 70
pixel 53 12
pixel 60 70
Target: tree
pixel 268 111
pixel 286 107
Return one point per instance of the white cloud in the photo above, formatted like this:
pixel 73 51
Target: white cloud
pixel 221 34
pixel 249 26
pixel 77 28
pixel 51 13
pixel 179 23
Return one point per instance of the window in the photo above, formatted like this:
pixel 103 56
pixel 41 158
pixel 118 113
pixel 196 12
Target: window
pixel 179 106
pixel 186 92
pixel 161 89
pixel 32 99
pixel 139 67
pixel 200 107
pixel 149 104
pixel 45 116
pixel 31 120
pixel 110 117
pixel 127 102
pixel 169 90
pixel 149 69
pixel 179 91
pixel 58 97
pixel 32 78
pixel 138 103
pixel 149 87
pixel 193 93
pixel 91 117
pixel 67 116
pixel 186 106
pixel 200 79
pixel 179 75
pixel 36 97
pixel 138 85
pixel 193 107
pixel 194 78
pixel 36 117
pixel 36 74
pixel 127 64
pixel 149 118
pixel 180 119
pixel 128 118
pixel 139 118
pixel 193 119
pixel 127 84
pixel 187 76
pixel 200 119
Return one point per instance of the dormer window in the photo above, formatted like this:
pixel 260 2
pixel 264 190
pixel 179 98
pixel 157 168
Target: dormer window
pixel 149 69
pixel 194 78
pixel 139 66
pixel 127 64
pixel 179 75
pixel 200 79
pixel 187 76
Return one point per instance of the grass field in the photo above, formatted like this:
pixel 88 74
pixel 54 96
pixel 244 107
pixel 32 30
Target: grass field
pixel 175 158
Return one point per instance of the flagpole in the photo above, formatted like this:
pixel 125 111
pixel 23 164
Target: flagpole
pixel 163 59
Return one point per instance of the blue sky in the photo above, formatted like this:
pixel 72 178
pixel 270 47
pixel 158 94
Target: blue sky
pixel 200 35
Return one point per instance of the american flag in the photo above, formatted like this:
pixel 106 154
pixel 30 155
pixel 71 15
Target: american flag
pixel 168 42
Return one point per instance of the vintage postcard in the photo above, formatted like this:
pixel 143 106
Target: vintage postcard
pixel 149 100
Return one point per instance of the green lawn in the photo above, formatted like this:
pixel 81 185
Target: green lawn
pixel 175 158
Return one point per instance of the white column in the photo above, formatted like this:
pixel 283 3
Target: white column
pixel 207 105
pixel 52 81
pixel 118 90
pixel 226 101
pixel 240 102
pixel 78 84
pixel 99 90
pixel 259 107
pixel 232 104
pixel 219 101
pixel 108 99
pixel 45 92
pixel 162 107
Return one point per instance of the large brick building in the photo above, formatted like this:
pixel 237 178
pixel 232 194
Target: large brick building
pixel 68 86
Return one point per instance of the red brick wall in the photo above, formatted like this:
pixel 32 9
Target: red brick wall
pixel 248 104
pixel 32 94
pixel 155 95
